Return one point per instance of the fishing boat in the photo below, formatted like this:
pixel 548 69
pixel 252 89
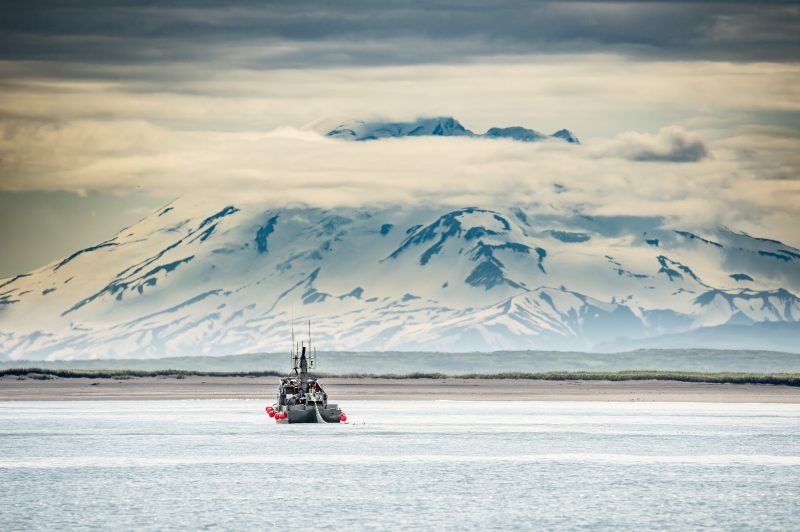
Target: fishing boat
pixel 301 398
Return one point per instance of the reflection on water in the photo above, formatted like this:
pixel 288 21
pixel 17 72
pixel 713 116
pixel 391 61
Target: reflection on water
pixel 451 465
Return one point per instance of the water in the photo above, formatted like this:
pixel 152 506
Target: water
pixel 400 465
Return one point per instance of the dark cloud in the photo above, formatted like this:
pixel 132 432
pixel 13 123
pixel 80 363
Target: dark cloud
pixel 670 144
pixel 680 151
pixel 318 33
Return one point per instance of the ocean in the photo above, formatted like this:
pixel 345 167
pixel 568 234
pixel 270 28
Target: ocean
pixel 400 465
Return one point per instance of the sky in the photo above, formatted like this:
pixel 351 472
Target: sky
pixel 111 109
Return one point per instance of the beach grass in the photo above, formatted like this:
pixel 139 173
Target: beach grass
pixel 786 379
pixel 121 374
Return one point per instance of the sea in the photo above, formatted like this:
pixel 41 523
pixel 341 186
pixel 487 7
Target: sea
pixel 400 465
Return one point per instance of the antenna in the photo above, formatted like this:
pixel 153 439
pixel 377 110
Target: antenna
pixel 312 355
pixel 293 344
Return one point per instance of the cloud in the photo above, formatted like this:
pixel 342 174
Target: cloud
pixel 291 166
pixel 188 96
pixel 361 32
pixel 671 144
pixel 593 95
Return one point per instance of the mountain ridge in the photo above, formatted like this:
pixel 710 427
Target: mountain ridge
pixel 440 126
pixel 216 277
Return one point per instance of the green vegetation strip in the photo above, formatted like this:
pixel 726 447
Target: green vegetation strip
pixel 787 379
pixel 39 373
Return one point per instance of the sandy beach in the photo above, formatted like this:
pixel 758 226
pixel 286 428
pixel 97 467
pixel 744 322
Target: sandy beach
pixel 200 387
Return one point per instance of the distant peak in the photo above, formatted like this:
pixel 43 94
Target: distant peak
pixel 516 133
pixel 567 135
pixel 439 126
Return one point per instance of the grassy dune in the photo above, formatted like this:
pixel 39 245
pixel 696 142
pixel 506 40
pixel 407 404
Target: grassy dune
pixel 787 379
pixel 48 373
pixel 381 363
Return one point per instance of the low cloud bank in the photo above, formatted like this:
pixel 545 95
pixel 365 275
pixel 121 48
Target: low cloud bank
pixel 741 186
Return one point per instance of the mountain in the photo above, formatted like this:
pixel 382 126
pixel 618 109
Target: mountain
pixel 766 335
pixel 206 278
pixel 443 126
pixel 515 133
pixel 566 134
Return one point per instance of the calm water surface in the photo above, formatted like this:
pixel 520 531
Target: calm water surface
pixel 400 465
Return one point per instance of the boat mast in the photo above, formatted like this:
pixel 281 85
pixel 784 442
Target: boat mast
pixel 310 358
pixel 294 346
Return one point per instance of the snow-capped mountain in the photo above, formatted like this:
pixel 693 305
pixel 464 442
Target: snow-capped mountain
pixel 443 126
pixel 197 278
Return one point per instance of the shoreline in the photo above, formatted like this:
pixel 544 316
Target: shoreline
pixel 359 389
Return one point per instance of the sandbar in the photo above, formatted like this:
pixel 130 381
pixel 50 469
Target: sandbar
pixel 352 389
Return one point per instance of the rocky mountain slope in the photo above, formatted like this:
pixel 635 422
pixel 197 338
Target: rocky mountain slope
pixel 204 278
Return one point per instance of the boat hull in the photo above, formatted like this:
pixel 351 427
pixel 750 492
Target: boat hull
pixel 308 414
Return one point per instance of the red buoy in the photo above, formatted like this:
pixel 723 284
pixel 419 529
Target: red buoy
pixel 271 412
pixel 343 418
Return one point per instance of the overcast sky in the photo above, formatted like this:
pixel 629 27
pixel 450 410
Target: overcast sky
pixel 109 109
